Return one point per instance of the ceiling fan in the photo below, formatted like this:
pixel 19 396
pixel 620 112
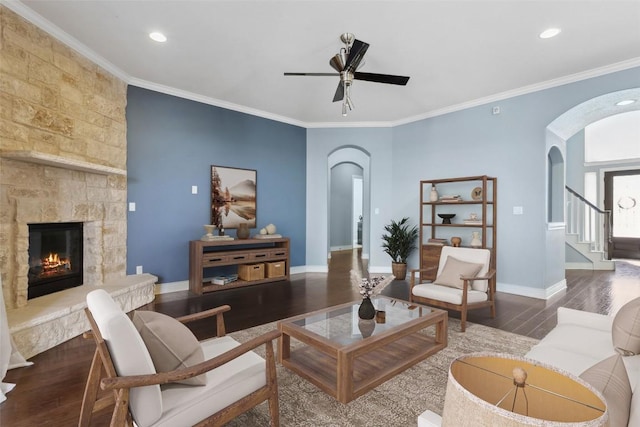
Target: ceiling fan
pixel 346 64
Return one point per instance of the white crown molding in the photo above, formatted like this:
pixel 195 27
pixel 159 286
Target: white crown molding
pixel 212 101
pixel 27 13
pixel 572 78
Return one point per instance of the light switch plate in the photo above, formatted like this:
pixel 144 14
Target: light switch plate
pixel 132 206
pixel 194 189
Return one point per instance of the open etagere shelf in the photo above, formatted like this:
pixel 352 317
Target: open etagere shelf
pixel 431 226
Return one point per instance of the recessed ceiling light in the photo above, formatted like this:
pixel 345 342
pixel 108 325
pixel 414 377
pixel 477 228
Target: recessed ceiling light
pixel 626 102
pixel 159 37
pixel 550 32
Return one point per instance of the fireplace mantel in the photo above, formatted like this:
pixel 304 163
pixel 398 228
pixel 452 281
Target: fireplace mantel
pixel 61 162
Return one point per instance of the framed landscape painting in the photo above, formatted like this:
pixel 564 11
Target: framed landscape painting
pixel 233 196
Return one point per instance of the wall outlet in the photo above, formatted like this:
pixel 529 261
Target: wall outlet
pixel 132 206
pixel 495 110
pixel 138 269
pixel 194 189
pixel 517 210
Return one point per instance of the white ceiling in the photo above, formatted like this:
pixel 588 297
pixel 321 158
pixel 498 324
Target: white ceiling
pixel 457 53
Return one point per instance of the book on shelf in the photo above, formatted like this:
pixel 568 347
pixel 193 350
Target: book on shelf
pixel 451 198
pixel 472 221
pixel 437 242
pixel 224 280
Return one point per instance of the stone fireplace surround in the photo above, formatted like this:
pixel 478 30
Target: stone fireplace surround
pixel 48 188
pixel 63 158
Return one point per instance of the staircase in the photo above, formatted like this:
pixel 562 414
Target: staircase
pixel 588 233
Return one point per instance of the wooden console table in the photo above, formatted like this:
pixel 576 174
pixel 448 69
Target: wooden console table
pixel 214 254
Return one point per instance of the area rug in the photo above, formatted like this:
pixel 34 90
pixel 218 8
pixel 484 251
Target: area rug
pixel 397 402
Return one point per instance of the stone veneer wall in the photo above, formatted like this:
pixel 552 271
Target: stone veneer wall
pixel 56 102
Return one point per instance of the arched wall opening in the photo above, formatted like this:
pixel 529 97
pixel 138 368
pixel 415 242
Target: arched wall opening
pixel 361 158
pixel 558 132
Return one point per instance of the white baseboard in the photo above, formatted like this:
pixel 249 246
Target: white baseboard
pixel 316 269
pixel 526 291
pixel 341 248
pixel 578 266
pixel 165 288
pixel 298 270
pixel 379 269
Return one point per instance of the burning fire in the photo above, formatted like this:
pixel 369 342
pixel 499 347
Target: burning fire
pixel 53 264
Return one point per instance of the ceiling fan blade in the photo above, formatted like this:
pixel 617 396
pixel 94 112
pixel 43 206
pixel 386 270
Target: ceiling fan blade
pixel 358 49
pixel 339 93
pixel 381 78
pixel 311 74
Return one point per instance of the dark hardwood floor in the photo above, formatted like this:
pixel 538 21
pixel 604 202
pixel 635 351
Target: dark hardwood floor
pixel 49 392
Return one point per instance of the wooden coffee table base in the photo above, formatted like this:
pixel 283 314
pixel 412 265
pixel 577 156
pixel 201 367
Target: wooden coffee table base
pixel 349 371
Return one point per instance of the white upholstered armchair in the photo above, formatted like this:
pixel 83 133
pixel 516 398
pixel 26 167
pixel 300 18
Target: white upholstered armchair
pixel 158 374
pixel 464 281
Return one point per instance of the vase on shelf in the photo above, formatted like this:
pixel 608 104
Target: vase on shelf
pixel 475 240
pixel 366 311
pixel 433 195
pixel 243 231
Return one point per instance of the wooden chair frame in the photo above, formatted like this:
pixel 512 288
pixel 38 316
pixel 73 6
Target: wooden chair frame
pixel 464 306
pixel 102 375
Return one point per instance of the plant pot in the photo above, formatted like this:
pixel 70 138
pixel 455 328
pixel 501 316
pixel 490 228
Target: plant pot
pixel 399 270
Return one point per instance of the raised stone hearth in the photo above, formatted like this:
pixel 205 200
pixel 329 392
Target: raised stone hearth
pixel 53 319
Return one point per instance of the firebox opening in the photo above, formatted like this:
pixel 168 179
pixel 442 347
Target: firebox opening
pixel 55 257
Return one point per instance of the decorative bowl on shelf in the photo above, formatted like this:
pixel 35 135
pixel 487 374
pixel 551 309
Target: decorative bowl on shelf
pixel 446 218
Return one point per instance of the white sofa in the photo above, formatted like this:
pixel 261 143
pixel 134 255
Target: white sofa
pixel 579 341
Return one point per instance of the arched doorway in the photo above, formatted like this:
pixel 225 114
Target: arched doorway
pixel 558 133
pixel 345 166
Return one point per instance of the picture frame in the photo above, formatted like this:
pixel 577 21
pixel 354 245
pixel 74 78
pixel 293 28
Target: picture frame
pixel 233 196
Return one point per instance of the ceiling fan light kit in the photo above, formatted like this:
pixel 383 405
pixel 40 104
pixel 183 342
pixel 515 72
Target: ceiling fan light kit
pixel 346 63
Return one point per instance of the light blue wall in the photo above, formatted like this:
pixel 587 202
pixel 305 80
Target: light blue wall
pixel 172 142
pixel 513 147
pixel 575 162
pixel 377 144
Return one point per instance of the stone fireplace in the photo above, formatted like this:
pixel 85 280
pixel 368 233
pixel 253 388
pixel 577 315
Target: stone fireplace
pixel 63 156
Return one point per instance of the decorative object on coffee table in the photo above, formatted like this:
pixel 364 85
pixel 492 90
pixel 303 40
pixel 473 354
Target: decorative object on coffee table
pixel 398 243
pixel 446 218
pixel 368 287
pixel 366 311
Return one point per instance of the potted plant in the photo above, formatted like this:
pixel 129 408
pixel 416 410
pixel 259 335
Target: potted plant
pixel 399 241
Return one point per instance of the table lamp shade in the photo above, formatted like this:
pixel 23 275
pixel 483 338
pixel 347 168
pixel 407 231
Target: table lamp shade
pixel 482 392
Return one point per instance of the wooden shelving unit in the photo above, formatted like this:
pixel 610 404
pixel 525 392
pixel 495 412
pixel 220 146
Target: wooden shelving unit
pixel 204 255
pixel 431 225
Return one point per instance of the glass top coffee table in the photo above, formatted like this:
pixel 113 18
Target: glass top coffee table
pixel 346 357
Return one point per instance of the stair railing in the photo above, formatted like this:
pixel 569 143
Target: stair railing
pixel 589 222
